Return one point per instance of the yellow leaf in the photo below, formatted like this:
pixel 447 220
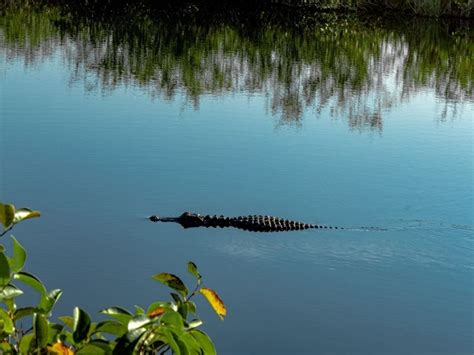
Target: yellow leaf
pixel 215 301
pixel 59 349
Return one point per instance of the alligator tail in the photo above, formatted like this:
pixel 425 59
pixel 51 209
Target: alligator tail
pixel 321 226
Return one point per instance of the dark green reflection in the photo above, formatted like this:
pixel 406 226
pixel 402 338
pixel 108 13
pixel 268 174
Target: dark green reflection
pixel 358 69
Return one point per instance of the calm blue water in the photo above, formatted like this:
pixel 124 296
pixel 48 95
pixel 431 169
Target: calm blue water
pixel 97 162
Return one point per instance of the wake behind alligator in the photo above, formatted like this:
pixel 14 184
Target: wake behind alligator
pixel 252 223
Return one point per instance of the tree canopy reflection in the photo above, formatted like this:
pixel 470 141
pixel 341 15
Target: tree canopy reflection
pixel 356 69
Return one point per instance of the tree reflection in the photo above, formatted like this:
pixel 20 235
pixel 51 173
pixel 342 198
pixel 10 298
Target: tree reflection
pixel 356 70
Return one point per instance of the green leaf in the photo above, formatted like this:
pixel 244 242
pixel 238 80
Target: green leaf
pixel 82 323
pixel 180 341
pixel 149 338
pixel 183 310
pixel 66 337
pixel 171 341
pixel 172 281
pixel 95 347
pixel 25 213
pixel 47 303
pixel 91 330
pixel 176 298
pixel 19 256
pixel 166 305
pixel 40 330
pixel 204 341
pixel 134 334
pixel 8 326
pixel 124 346
pixel 55 294
pixel 53 332
pixel 6 348
pixel 183 345
pixel 138 322
pixel 68 321
pixel 4 270
pixel 111 327
pixel 120 314
pixel 24 312
pixel 25 344
pixel 194 323
pixel 191 343
pixel 10 291
pixel 192 268
pixel 7 214
pixel 172 318
pixel 139 310
pixel 191 307
pixel 31 281
pixel 10 303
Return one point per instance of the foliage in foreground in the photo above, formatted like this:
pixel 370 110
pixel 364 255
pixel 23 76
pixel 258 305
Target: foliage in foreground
pixel 159 328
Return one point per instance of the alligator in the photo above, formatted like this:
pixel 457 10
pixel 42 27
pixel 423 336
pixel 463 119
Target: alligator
pixel 252 223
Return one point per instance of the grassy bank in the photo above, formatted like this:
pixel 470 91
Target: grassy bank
pixel 426 8
pixel 430 8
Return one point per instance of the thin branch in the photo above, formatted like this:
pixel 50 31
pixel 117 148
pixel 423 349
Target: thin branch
pixel 6 230
pixel 194 291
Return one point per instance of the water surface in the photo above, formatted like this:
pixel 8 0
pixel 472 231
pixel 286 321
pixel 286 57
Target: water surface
pixel 342 123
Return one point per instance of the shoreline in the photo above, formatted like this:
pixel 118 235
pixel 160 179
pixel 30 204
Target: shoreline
pixel 395 9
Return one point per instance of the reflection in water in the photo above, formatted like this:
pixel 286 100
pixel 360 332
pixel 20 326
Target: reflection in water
pixel 356 70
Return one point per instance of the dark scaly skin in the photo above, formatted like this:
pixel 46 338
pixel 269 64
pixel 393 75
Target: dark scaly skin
pixel 253 223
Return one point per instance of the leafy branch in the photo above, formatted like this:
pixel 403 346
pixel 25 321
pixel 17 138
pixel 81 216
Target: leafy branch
pixel 162 327
pixel 9 216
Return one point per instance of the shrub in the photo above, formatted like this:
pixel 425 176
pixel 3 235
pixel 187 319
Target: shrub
pixel 161 327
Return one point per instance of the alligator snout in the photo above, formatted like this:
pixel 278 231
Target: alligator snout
pixel 154 218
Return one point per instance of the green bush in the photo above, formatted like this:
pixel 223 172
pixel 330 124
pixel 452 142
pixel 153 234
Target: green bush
pixel 159 328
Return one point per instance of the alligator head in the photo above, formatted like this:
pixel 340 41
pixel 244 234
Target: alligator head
pixel 189 220
pixel 154 218
pixel 157 218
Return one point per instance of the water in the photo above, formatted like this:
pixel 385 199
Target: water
pixel 100 129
